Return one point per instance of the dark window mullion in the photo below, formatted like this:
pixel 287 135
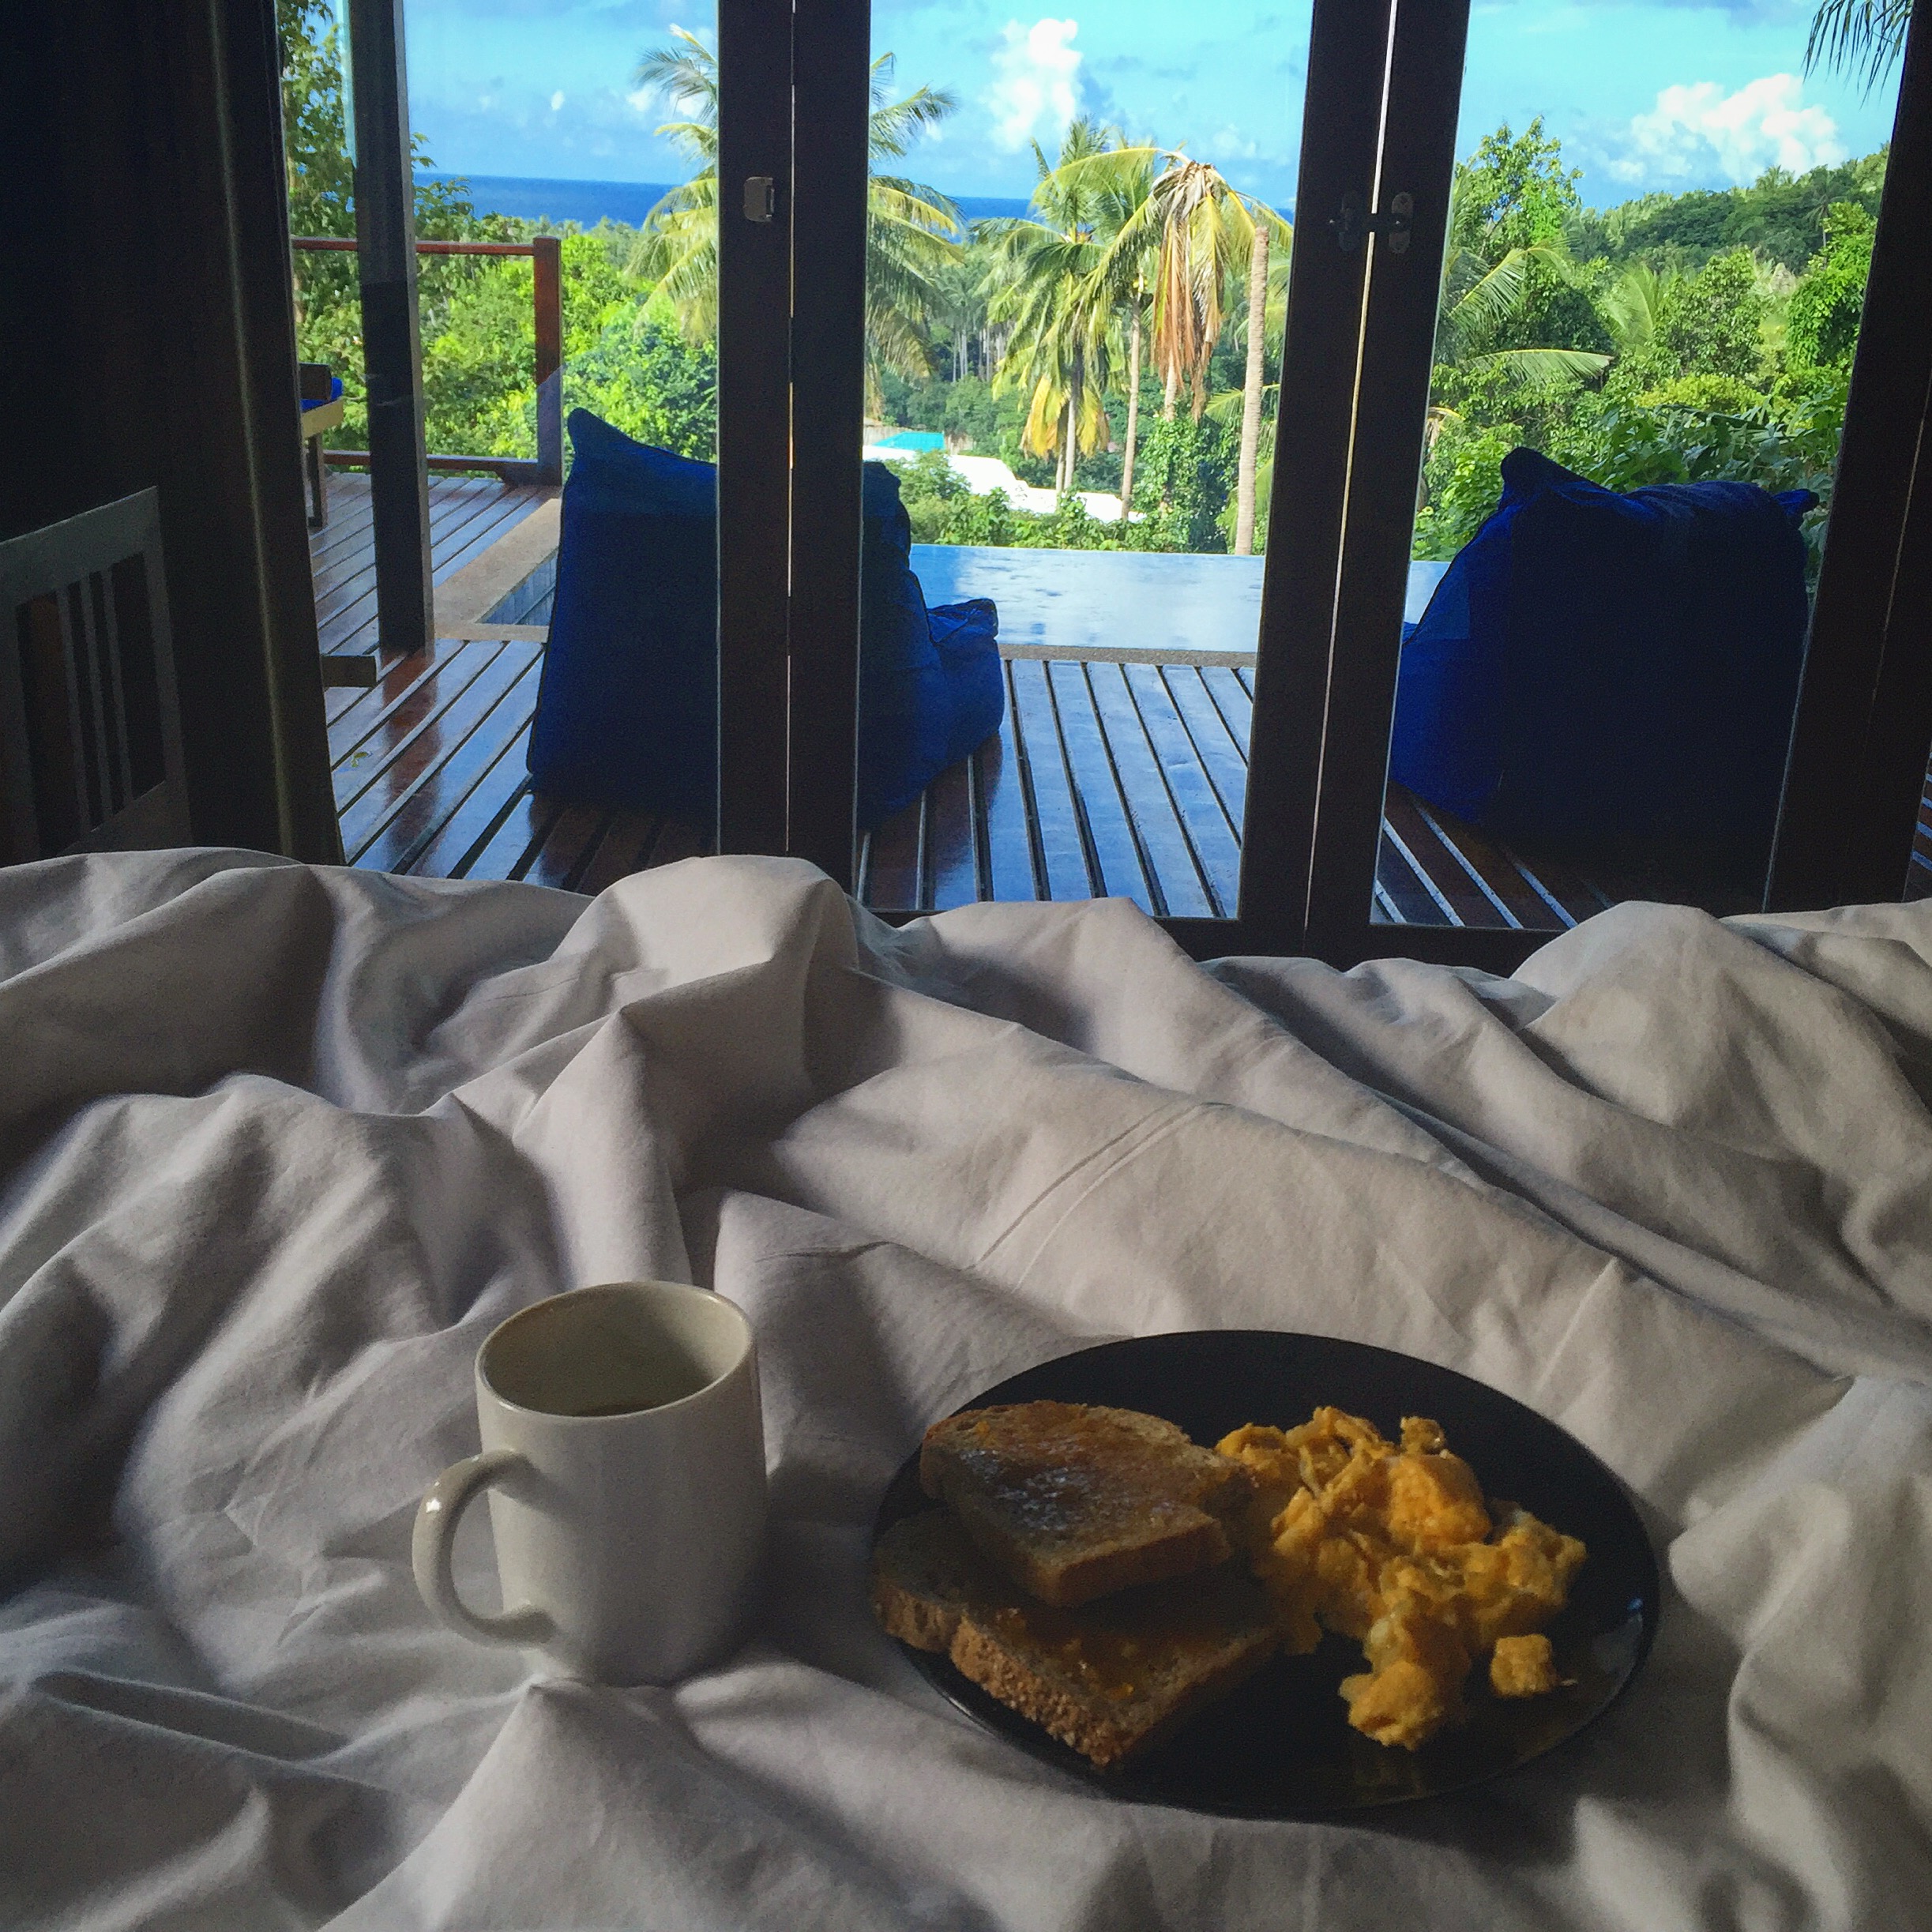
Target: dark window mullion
pixel 755 295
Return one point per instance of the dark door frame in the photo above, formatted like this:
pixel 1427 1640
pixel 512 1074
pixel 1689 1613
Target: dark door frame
pixel 793 94
pixel 1860 742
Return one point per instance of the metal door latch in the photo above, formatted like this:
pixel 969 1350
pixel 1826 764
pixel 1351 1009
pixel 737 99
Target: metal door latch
pixel 1352 223
pixel 760 198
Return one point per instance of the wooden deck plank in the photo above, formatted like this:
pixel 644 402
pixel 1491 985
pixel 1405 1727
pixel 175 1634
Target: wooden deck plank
pixel 350 622
pixel 511 846
pixel 402 695
pixel 368 701
pixel 1214 839
pixel 569 846
pixel 1106 776
pixel 1514 901
pixel 1223 756
pixel 1003 809
pixel 467 515
pixel 893 870
pixel 628 845
pixel 497 778
pixel 371 759
pixel 1565 889
pixel 1062 848
pixel 1160 837
pixel 1425 846
pixel 473 766
pixel 345 594
pixel 952 871
pixel 341 550
pixel 1233 700
pixel 409 790
pixel 1403 891
pixel 1109 830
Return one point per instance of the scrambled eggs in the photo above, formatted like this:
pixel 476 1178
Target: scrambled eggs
pixel 1395 1546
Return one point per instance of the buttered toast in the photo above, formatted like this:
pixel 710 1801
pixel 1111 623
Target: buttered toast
pixel 1113 1679
pixel 1074 1502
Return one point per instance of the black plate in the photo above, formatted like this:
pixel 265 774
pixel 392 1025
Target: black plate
pixel 1281 1747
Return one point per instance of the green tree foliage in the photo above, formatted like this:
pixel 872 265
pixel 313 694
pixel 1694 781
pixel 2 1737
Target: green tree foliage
pixel 478 382
pixel 644 376
pixel 1822 327
pixel 1851 35
pixel 1672 338
pixel 911 248
pixel 1181 484
pixel 1712 323
pixel 321 202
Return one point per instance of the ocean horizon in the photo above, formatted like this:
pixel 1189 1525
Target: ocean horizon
pixel 535 197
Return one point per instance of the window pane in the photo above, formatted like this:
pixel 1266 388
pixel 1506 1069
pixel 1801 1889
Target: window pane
pixel 1659 236
pixel 1061 395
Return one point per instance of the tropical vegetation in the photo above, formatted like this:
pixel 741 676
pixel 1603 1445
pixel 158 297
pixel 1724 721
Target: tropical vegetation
pixel 1122 336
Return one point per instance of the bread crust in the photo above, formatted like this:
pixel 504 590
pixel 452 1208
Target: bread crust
pixel 1074 1502
pixel 1190 1640
pixel 1109 1740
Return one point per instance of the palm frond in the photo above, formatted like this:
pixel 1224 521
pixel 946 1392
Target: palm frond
pixel 1634 306
pixel 1848 35
pixel 895 125
pixel 1544 369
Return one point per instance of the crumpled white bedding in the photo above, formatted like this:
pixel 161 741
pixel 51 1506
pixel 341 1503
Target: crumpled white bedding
pixel 279 1145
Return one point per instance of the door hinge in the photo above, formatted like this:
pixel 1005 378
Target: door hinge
pixel 760 198
pixel 1352 223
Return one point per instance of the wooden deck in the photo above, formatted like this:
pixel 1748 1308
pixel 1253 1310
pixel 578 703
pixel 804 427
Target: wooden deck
pixel 468 515
pixel 1107 778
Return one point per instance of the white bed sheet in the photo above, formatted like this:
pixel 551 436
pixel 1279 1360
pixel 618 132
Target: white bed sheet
pixel 280 1145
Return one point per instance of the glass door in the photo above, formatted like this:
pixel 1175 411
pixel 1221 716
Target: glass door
pixel 1605 370
pixel 1084 563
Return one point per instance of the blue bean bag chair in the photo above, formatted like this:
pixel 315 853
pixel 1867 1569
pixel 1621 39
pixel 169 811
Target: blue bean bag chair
pixel 1602 674
pixel 627 712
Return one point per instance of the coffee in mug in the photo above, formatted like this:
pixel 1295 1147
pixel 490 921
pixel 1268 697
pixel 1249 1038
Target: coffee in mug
pixel 623 1451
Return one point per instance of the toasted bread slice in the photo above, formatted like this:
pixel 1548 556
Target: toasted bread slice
pixel 1113 1680
pixel 1074 1502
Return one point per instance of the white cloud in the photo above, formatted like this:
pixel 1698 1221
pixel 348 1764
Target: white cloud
pixel 1035 96
pixel 1697 132
pixel 556 100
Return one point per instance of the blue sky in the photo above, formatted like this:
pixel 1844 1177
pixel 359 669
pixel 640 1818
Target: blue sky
pixel 1658 95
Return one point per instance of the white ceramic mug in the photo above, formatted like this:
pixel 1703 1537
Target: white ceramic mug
pixel 623 1450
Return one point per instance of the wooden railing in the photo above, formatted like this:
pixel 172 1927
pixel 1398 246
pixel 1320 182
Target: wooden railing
pixel 546 256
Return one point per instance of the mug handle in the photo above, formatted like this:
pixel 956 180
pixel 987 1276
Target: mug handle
pixel 431 1548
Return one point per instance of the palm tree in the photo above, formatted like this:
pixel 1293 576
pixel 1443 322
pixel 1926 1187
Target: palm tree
pixel 1042 278
pixel 677 248
pixel 910 230
pixel 1480 294
pixel 1199 231
pixel 1121 181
